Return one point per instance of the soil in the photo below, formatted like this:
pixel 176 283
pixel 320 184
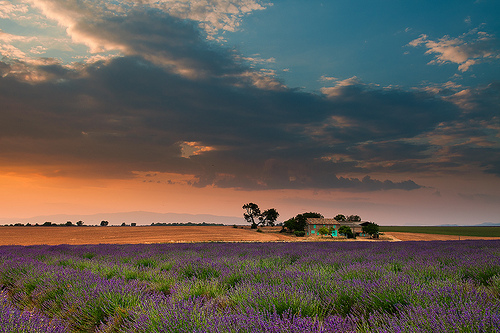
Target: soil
pixel 175 234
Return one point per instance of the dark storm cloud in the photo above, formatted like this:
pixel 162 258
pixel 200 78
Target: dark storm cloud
pixel 388 113
pixel 474 138
pixel 133 113
pixel 162 39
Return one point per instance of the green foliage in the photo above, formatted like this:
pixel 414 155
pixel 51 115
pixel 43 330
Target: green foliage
pixel 146 263
pixel 323 231
pixel 299 222
pixel 166 266
pixel 344 303
pixel 201 288
pixel 289 224
pixel 395 267
pixel 484 277
pixel 269 217
pixel 354 218
pixel 89 255
pixel 346 231
pixel 370 229
pixel 299 233
pixel 200 272
pixel 253 213
pixel 340 217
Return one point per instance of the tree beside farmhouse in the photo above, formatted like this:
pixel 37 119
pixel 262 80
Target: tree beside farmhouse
pixel 371 229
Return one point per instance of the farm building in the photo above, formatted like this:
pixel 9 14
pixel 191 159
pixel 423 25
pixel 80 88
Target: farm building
pixel 314 224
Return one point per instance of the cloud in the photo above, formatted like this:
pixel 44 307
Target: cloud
pixel 328 78
pixel 127 115
pixel 8 9
pixel 340 85
pixel 384 113
pixel 467 50
pixel 471 141
pixel 174 102
pixel 213 16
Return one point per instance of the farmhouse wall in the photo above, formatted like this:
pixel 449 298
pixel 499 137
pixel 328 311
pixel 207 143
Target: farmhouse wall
pixel 314 224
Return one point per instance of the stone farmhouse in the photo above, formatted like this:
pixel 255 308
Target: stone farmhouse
pixel 314 224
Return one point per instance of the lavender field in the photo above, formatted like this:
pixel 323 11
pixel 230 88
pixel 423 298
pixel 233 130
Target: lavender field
pixel 252 287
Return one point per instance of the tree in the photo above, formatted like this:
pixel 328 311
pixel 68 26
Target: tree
pixel 69 224
pixel 340 217
pixel 371 229
pixel 104 223
pixel 346 231
pixel 289 224
pixel 354 218
pixel 323 231
pixel 79 223
pixel 299 222
pixel 252 212
pixel 269 216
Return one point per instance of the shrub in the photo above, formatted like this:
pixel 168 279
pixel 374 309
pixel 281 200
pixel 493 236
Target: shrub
pixel 323 231
pixel 346 231
pixel 300 233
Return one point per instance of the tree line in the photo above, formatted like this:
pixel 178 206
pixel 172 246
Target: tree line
pixel 297 224
pixel 67 224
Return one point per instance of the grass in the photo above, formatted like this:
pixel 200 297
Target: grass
pixel 458 231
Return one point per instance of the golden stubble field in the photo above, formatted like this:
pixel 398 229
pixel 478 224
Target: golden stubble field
pixel 174 234
pixel 132 235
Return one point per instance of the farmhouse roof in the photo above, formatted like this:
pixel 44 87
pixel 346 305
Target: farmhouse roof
pixel 319 220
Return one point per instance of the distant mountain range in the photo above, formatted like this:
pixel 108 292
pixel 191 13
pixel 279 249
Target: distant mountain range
pixel 139 217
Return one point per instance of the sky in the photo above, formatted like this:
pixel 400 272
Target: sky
pixel 385 109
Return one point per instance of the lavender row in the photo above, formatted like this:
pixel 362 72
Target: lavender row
pixel 14 320
pixel 259 287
